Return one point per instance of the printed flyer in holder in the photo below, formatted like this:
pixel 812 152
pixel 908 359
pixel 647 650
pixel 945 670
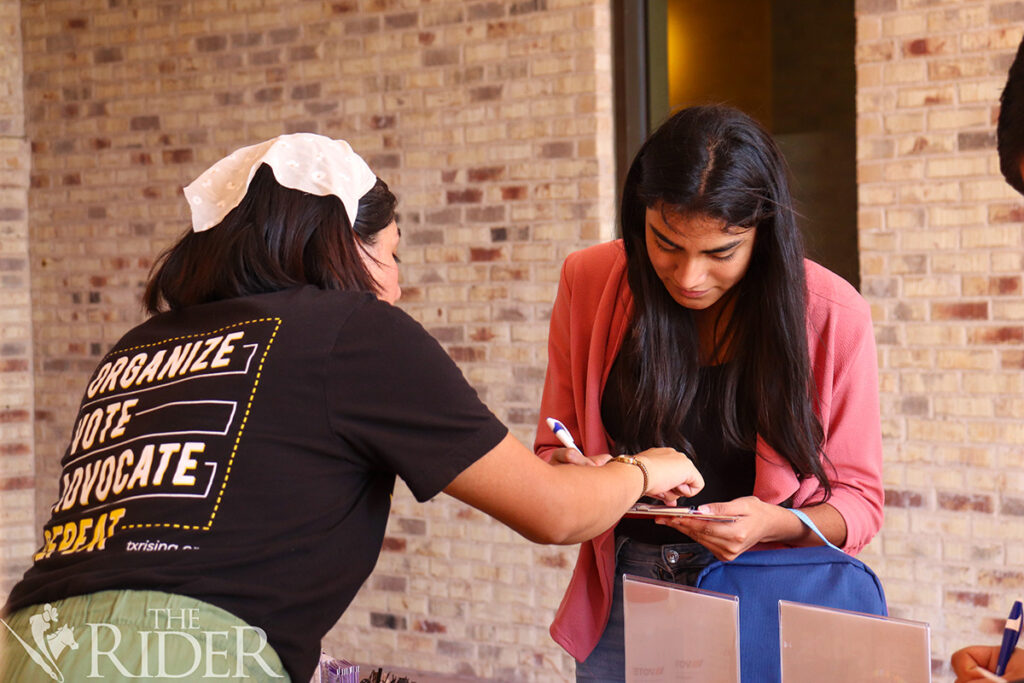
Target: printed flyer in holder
pixel 678 633
pixel 823 644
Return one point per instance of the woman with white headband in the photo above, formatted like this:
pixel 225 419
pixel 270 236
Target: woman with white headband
pixel 228 479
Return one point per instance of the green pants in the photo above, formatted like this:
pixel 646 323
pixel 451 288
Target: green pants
pixel 133 636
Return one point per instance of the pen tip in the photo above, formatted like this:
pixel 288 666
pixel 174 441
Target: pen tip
pixel 552 422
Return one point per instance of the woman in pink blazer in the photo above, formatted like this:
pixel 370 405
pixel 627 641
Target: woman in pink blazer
pixel 705 329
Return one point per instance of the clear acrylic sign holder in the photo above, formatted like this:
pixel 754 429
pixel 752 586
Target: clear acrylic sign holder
pixel 822 644
pixel 678 633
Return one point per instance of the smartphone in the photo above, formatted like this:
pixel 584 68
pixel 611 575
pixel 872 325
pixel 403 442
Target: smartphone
pixel 645 510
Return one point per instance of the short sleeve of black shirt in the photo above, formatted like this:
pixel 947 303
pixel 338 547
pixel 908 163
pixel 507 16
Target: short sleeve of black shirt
pixel 400 401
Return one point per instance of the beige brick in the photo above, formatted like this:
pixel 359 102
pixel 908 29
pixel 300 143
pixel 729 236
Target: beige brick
pixel 925 144
pixel 870 75
pixel 965 360
pixel 929 240
pixel 990 236
pixel 925 97
pixel 956 167
pixel 960 68
pixel 1008 310
pixel 958 119
pixel 964 407
pixel 902 122
pixel 931 286
pixel 911 358
pixel 868 149
pixel 1012 408
pixel 981 92
pixel 903 170
pixel 992 39
pixel 904 24
pixel 923 193
pixel 868 28
pixel 478 54
pixel 993 383
pixel 961 262
pixel 897 73
pixel 988 190
pixel 878 195
pixel 896 219
pixel 934 335
pixel 873 265
pixel 998 432
pixel 942 216
pixel 957 19
pixel 1003 262
pixel 927 381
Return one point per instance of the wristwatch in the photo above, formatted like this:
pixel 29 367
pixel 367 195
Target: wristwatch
pixel 631 460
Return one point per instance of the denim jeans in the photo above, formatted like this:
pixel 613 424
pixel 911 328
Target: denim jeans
pixel 678 563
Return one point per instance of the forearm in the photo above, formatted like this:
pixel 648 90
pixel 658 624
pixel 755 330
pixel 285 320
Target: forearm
pixel 596 500
pixel 547 503
pixel 565 503
pixel 786 528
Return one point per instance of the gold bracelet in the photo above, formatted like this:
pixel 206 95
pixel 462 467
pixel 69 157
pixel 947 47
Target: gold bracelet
pixel 632 460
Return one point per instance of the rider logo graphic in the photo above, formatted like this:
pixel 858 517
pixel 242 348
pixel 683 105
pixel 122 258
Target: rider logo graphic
pixel 48 646
pixel 156 653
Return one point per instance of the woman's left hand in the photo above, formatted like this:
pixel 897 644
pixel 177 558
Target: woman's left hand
pixel 726 540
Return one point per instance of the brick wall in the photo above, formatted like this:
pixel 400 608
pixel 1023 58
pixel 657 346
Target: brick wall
pixel 491 120
pixel 941 261
pixel 17 465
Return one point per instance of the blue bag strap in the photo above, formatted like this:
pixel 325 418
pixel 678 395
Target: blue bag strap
pixel 802 516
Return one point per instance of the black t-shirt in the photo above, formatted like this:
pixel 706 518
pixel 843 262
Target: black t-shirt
pixel 244 453
pixel 728 470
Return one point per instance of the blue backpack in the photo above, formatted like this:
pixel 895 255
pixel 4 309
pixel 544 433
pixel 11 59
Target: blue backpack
pixel 818 575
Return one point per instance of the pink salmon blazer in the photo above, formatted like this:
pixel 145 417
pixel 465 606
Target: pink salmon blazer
pixel 588 322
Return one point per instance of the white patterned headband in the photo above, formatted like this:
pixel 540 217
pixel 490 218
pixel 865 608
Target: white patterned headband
pixel 302 161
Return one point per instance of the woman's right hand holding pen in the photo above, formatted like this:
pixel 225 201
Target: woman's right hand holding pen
pixel 967 662
pixel 1006 660
pixel 572 456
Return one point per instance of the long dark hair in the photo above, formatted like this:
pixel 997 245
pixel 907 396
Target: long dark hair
pixel 276 238
pixel 1010 126
pixel 718 162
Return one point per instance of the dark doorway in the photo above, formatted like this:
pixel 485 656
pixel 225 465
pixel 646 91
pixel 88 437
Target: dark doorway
pixel 787 63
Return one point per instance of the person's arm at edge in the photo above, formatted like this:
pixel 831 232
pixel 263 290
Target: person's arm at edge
pixel 565 504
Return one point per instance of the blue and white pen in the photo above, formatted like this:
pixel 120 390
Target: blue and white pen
pixel 562 434
pixel 1011 633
